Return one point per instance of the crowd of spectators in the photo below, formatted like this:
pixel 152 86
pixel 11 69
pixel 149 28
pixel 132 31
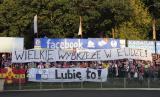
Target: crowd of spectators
pixel 137 69
pixel 128 68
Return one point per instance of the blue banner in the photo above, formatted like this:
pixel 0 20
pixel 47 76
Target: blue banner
pixel 103 43
pixel 68 43
pixel 58 43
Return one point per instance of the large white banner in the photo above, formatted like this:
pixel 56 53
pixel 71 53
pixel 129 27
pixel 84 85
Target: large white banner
pixel 51 55
pixel 67 75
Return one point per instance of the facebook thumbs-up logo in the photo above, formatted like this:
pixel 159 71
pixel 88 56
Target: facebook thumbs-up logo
pixel 91 44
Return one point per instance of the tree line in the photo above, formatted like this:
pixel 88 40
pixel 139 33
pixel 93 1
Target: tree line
pixel 127 19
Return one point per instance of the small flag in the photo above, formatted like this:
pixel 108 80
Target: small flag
pixel 80 27
pixel 35 24
pixel 154 29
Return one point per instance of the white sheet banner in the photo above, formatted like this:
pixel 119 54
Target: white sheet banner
pixel 8 44
pixel 51 55
pixel 142 44
pixel 67 75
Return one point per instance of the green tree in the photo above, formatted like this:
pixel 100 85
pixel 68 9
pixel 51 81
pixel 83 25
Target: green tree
pixel 139 23
pixel 60 18
pixel 153 7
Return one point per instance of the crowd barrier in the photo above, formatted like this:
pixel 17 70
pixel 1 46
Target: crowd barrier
pixel 110 83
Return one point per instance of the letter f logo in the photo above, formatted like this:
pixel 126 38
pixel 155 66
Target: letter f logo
pixel 48 43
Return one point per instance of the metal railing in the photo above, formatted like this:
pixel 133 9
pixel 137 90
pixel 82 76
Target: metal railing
pixel 110 83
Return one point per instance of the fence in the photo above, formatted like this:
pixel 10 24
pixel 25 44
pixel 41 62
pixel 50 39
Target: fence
pixel 110 83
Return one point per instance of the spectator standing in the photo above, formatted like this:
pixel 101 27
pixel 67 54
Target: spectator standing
pixel 41 65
